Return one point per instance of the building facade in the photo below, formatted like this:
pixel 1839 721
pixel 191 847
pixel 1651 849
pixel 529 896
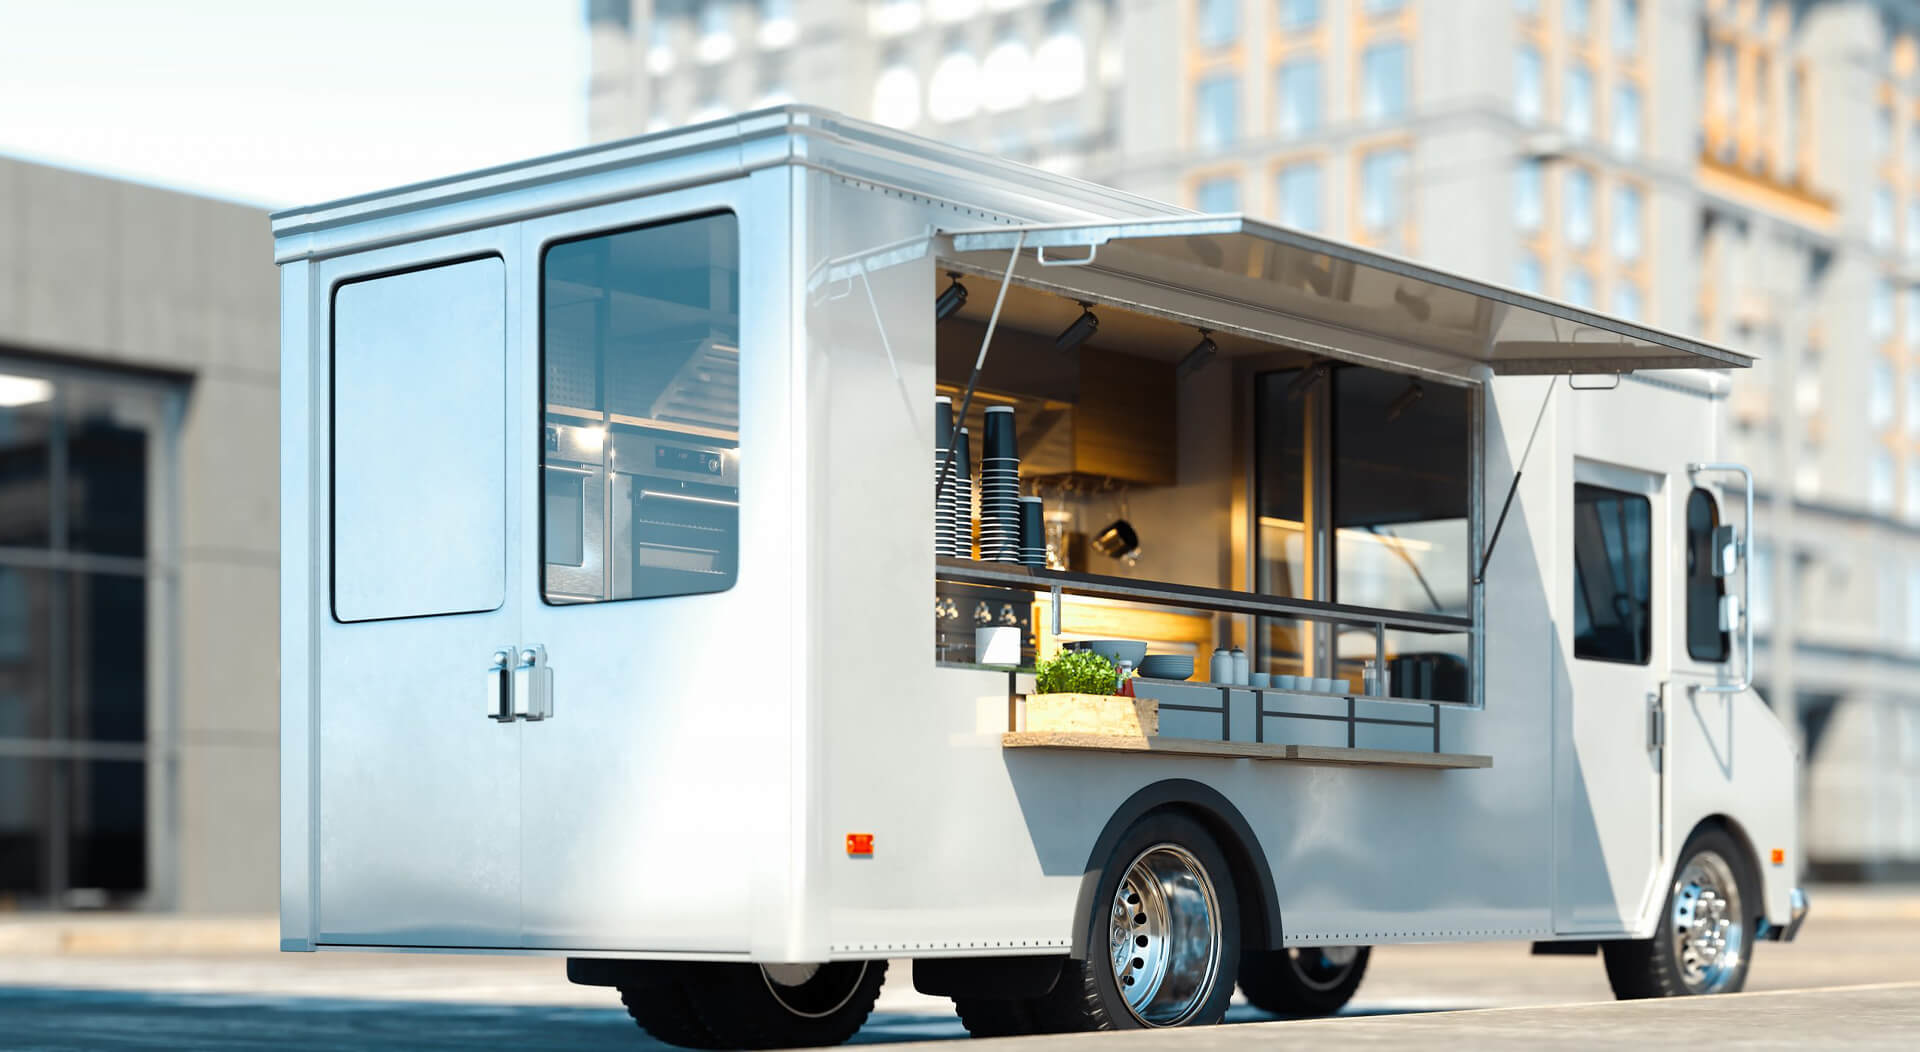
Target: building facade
pixel 138 547
pixel 1747 170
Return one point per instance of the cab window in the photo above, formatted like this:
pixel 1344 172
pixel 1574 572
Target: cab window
pixel 1706 641
pixel 1612 575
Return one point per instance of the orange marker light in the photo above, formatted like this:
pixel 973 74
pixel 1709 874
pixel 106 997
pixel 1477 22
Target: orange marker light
pixel 860 845
pixel 1779 857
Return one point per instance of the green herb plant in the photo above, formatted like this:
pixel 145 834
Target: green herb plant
pixel 1077 672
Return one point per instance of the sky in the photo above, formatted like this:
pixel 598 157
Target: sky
pixel 280 102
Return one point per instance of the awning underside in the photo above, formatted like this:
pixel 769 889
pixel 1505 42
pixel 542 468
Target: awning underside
pixel 1238 275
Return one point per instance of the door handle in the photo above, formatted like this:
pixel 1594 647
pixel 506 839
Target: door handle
pixel 500 686
pixel 532 684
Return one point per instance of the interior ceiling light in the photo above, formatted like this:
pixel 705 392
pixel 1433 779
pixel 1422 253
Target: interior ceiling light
pixel 17 391
pixel 1304 382
pixel 1197 358
pixel 951 298
pixel 1405 400
pixel 1076 334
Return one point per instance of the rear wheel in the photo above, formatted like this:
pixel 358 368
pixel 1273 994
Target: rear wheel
pixel 1168 920
pixel 1303 982
pixel 1705 939
pixel 757 1006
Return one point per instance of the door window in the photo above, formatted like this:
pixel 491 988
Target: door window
pixel 1705 639
pixel 640 367
pixel 1612 575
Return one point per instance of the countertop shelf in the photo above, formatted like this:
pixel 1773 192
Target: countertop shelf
pixel 1309 754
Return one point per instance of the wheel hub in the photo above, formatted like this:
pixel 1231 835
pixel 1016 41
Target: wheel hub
pixel 1709 936
pixel 1163 936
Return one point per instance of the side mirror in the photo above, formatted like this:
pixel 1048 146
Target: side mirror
pixel 1726 552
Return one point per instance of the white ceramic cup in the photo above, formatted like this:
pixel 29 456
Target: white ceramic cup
pixel 1325 686
pixel 996 645
pixel 1287 682
pixel 1259 679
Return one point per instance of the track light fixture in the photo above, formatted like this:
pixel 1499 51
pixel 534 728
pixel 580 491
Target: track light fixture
pixel 1303 383
pixel 951 298
pixel 1076 334
pixel 1197 358
pixel 1405 400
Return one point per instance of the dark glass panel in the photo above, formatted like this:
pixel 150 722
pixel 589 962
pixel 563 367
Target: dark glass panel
pixel 106 486
pixel 26 795
pixel 109 646
pixel 1612 575
pixel 1705 640
pixel 107 826
pixel 27 651
pixel 26 493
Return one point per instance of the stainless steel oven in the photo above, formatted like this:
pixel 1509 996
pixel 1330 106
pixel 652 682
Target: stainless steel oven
pixel 633 512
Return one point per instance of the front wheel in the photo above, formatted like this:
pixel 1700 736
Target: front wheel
pixel 704 1005
pixel 1705 939
pixel 1303 982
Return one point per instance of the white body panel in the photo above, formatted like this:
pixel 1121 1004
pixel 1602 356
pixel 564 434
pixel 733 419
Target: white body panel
pixel 709 753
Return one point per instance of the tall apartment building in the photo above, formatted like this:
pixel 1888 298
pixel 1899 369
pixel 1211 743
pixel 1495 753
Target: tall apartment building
pixel 1747 170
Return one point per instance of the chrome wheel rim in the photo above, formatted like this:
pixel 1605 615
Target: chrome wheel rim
pixel 1709 935
pixel 1164 936
pixel 1322 967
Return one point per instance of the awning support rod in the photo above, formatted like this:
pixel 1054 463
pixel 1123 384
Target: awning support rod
pixel 1518 470
pixel 966 400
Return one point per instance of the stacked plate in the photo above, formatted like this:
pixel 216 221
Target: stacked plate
pixel 946 478
pixel 999 488
pixel 1033 533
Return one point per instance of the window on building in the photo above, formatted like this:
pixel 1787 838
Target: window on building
pixel 1880 219
pixel 1627 301
pixel 1880 393
pixel 777 27
pixel 1216 111
pixel 1383 81
pixel 716 42
pixel 1806 386
pixel 1218 22
pixel 1006 76
pixel 1706 640
pixel 1579 206
pixel 953 92
pixel 1060 62
pixel 1297 15
pixel 896 94
pixel 1384 7
pixel 1528 274
pixel 1612 575
pixel 1529 85
pixel 1529 195
pixel 1880 482
pixel 1626 120
pixel 1299 193
pixel 1579 17
pixel 894 17
pixel 1806 471
pixel 1527 8
pixel 1577 115
pixel 1383 191
pixel 660 55
pixel 1880 312
pixel 1627 223
pixel 1218 194
pixel 80 574
pixel 1580 288
pixel 1297 111
pixel 675 356
pixel 1626 27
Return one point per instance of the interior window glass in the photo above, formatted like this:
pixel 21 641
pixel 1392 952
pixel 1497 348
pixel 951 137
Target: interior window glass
pixel 1705 640
pixel 640 361
pixel 1612 575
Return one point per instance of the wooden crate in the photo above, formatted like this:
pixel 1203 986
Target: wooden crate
pixel 1088 714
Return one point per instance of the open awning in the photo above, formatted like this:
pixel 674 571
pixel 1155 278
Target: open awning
pixel 1233 274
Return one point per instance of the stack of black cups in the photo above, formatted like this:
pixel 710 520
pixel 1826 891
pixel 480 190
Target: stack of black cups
pixel 1033 533
pixel 999 489
pixel 962 494
pixel 946 479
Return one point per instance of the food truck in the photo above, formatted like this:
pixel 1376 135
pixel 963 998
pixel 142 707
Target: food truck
pixel 663 582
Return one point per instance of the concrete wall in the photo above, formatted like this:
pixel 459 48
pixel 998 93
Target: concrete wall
pixel 99 272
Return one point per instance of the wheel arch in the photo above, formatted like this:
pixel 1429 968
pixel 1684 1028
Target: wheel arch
pixel 1252 877
pixel 1732 827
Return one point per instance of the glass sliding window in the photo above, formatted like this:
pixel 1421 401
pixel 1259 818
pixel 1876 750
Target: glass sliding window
pixel 1529 85
pixel 1529 195
pixel 1579 17
pixel 1626 120
pixel 1627 223
pixel 1383 81
pixel 1880 482
pixel 1218 22
pixel 1880 311
pixel 1384 7
pixel 1297 15
pixel 1880 221
pixel 640 363
pixel 1579 207
pixel 1578 113
pixel 1298 85
pixel 1282 402
pixel 1299 192
pixel 1880 393
pixel 1216 112
pixel 1705 639
pixel 1383 190
pixel 1626 27
pixel 1612 575
pixel 1221 194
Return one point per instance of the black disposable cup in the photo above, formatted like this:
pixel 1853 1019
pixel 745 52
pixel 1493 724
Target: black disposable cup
pixel 942 421
pixel 999 439
pixel 1032 530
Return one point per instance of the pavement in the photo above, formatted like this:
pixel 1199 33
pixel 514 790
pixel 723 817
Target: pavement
pixel 103 981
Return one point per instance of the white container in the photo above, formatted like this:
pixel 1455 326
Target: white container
pixel 1241 668
pixel 1220 669
pixel 996 645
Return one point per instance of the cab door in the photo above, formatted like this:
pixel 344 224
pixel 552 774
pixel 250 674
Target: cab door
pixel 1613 656
pixel 418 770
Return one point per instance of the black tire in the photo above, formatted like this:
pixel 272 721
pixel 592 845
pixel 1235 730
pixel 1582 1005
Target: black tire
pixel 1302 983
pixel 1088 995
pixel 712 1006
pixel 664 1011
pixel 1638 968
pixel 996 1016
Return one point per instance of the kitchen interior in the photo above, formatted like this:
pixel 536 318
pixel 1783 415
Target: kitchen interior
pixel 1183 458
